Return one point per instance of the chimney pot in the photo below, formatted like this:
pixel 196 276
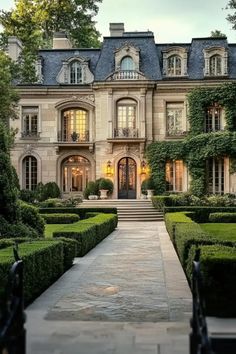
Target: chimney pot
pixel 117 29
pixel 61 41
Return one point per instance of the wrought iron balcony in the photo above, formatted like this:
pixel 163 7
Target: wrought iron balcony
pixel 30 135
pixel 125 133
pixel 73 137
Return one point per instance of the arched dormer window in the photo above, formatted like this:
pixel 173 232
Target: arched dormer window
pixel 216 61
pixel 127 63
pixel 76 73
pixel 174 65
pixel 175 62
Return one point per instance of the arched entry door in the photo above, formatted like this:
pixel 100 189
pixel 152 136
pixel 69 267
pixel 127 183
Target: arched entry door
pixel 75 174
pixel 127 178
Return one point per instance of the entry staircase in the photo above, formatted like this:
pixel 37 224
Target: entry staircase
pixel 128 209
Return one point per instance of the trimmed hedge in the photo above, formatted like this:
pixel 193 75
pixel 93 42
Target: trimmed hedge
pixel 222 217
pixel 88 233
pixel 200 213
pixel 60 218
pixel 79 211
pixel 172 219
pixel 4 243
pixel 30 216
pixel 218 267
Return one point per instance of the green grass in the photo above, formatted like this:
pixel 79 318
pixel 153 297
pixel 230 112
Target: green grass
pixel 50 228
pixel 227 231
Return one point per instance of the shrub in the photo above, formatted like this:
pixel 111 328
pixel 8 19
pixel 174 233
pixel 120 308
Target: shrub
pixel 79 211
pixel 28 196
pixel 8 230
pixel 51 203
pixel 147 184
pixel 69 251
pixel 60 218
pixel 222 217
pixel 106 183
pixel 30 216
pixel 172 219
pixel 43 264
pixel 218 267
pixel 91 189
pixel 51 190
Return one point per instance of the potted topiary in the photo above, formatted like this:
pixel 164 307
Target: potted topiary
pixel 105 187
pixel 90 191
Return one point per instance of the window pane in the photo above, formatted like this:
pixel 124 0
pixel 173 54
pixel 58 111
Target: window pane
pixel 75 121
pixel 169 176
pixel 174 65
pixel 30 120
pixel 75 73
pixel 127 63
pixel 215 65
pixel 213 119
pixel 174 114
pixel 30 172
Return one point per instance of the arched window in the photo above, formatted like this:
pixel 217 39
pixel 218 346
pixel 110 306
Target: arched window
pixel 127 63
pixel 30 172
pixel 76 172
pixel 76 73
pixel 216 65
pixel 126 119
pixel 75 125
pixel 174 66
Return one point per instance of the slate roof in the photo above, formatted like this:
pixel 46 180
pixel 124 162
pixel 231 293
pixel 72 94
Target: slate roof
pixel 102 61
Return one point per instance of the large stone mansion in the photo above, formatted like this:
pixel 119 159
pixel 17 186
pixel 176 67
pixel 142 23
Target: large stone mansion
pixel 93 111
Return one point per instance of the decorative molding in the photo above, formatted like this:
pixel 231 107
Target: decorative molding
pixel 76 99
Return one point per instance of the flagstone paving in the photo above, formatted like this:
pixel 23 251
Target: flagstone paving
pixel 128 295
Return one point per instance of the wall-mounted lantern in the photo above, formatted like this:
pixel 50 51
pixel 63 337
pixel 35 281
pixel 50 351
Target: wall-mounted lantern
pixel 143 168
pixel 109 169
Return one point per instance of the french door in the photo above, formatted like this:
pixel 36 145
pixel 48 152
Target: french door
pixel 127 178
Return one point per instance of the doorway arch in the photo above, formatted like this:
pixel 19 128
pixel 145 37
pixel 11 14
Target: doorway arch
pixel 76 172
pixel 127 178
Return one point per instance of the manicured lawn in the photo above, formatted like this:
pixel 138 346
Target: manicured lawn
pixel 50 228
pixel 220 230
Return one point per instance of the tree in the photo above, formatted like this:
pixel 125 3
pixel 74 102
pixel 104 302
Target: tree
pixel 8 101
pixel 232 17
pixel 34 21
pixel 218 34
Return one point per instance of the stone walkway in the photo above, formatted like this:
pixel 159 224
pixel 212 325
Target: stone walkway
pixel 128 295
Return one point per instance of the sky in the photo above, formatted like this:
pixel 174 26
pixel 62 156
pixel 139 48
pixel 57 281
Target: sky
pixel 172 21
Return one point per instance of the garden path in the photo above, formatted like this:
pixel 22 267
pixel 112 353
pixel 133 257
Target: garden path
pixel 128 295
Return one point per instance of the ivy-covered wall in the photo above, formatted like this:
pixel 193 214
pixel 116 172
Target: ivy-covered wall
pixel 198 146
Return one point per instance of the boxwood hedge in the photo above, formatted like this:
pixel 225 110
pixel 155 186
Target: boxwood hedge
pixel 222 217
pixel 59 218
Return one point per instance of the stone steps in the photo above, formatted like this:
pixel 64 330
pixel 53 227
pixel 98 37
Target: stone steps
pixel 128 210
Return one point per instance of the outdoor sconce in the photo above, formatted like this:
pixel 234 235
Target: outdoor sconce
pixel 143 168
pixel 109 169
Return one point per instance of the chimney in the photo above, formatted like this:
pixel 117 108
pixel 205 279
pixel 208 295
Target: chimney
pixel 117 29
pixel 14 48
pixel 60 41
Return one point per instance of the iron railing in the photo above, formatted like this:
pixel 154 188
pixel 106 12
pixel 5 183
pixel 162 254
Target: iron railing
pixel 74 137
pixel 125 133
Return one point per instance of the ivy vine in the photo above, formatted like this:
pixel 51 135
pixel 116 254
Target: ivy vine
pixel 198 146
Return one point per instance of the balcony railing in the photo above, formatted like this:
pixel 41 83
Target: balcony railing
pixel 125 133
pixel 73 137
pixel 30 135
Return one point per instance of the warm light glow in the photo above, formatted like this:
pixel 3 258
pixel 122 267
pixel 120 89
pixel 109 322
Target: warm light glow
pixel 109 169
pixel 143 168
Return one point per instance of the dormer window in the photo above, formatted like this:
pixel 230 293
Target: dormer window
pixel 216 61
pixel 127 63
pixel 174 65
pixel 175 62
pixel 215 65
pixel 76 73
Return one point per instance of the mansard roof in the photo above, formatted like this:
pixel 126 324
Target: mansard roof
pixel 102 60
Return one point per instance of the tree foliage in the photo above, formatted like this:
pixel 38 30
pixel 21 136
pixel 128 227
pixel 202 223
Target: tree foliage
pixel 35 21
pixel 218 34
pixel 231 5
pixel 8 182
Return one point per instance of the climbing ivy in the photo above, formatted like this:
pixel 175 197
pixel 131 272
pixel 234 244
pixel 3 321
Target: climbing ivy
pixel 198 146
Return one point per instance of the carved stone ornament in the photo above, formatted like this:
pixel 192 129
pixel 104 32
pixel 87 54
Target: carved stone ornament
pixel 28 149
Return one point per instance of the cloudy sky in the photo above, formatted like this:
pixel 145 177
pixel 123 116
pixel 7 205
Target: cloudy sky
pixel 170 20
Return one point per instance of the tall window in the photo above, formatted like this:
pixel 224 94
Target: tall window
pixel 126 119
pixel 174 66
pixel 30 121
pixel 30 172
pixel 174 176
pixel 76 73
pixel 174 116
pixel 213 119
pixel 215 174
pixel 127 63
pixel 75 125
pixel 216 65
